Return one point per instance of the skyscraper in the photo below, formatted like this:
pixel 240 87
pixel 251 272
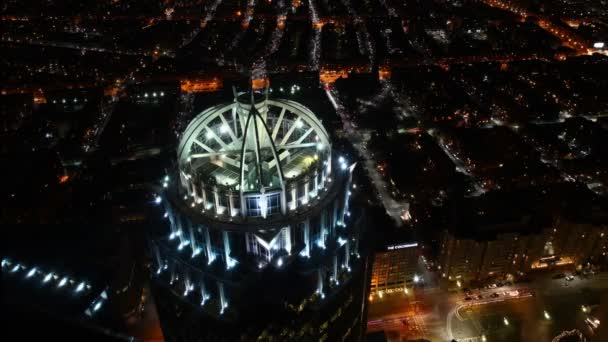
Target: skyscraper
pixel 259 239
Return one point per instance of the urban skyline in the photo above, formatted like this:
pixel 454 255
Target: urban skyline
pixel 305 170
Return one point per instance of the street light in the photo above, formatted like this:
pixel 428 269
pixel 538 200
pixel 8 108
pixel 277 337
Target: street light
pixel 416 278
pixel 483 338
pixel 505 321
pixel 546 314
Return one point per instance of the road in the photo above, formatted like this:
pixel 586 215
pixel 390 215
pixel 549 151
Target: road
pixel 460 166
pixel 442 315
pixel 398 210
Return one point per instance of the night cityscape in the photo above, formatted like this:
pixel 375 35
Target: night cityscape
pixel 304 170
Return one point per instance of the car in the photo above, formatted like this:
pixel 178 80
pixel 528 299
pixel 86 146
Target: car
pixel 559 276
pixel 467 298
pixel 492 286
pixel 500 284
pixel 592 322
pixel 494 295
pixel 508 283
pixel 569 277
pixel 479 297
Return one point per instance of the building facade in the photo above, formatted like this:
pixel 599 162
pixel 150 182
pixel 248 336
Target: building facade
pixel 394 268
pixel 259 240
pixel 518 249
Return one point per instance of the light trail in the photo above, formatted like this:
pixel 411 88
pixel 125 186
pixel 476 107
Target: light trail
pixel 210 12
pixel 315 52
pixel 277 34
pixel 366 46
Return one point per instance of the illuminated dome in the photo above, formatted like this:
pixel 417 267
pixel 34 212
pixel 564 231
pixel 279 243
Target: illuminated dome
pixel 259 216
pixel 252 155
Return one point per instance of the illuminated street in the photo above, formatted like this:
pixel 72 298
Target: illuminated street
pixel 468 320
pixel 304 170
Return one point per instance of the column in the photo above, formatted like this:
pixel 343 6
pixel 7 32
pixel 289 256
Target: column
pixel 230 204
pixel 347 254
pixel 210 255
pixel 320 283
pixel 294 198
pixel 204 294
pixel 287 239
pixel 216 200
pixel 243 204
pixel 171 217
pixel 193 244
pixel 187 285
pixel 204 196
pixel 306 196
pixel 180 232
pixel 172 274
pixel 334 217
pixel 223 300
pixel 323 227
pixel 335 269
pixel 194 193
pixel 306 232
pixel 227 259
pixel 345 205
pixel 159 261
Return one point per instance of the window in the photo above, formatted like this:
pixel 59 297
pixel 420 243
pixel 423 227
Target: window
pixel 223 200
pixel 253 206
pixel 236 202
pixel 274 204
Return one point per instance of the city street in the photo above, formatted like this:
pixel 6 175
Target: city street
pixel 536 311
pixel 398 210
